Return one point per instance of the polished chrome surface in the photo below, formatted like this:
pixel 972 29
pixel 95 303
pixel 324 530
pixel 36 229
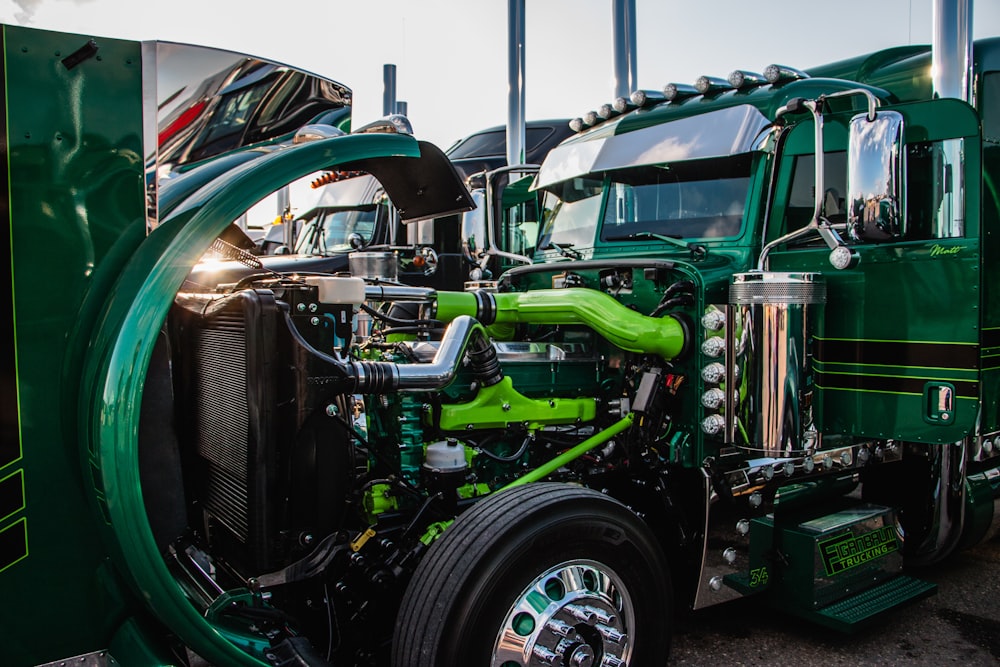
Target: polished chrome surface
pixel 951 49
pixel 725 550
pixel 778 312
pixel 818 224
pixel 945 521
pixel 388 89
pixel 200 102
pixel 554 619
pixel 316 132
pixel 719 133
pixel 95 659
pixel 875 177
pixel 374 265
pixel 475 238
pixel 462 334
pixel 515 81
pixel 624 47
pixel 394 292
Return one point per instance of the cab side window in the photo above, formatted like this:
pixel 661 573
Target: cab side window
pixel 801 199
pixel 935 197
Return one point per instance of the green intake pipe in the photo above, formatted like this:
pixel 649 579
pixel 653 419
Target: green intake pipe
pixel 595 440
pixel 601 312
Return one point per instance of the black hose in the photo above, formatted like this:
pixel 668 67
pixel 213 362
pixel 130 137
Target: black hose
pixel 395 321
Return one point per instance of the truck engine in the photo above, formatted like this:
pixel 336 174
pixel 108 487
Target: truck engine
pixel 329 428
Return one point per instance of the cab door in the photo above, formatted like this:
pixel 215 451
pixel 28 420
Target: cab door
pixel 898 353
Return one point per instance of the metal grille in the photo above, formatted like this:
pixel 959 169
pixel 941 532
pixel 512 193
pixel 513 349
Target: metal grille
pixel 222 419
pixel 762 288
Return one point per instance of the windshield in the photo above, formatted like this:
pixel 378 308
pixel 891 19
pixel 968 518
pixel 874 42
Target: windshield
pixel 692 200
pixel 330 231
pixel 569 214
pixel 698 199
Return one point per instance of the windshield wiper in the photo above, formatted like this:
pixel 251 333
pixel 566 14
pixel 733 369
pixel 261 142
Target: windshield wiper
pixel 564 249
pixel 695 248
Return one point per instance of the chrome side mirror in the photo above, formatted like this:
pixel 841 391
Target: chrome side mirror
pixel 475 239
pixel 875 178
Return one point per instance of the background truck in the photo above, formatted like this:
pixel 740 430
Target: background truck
pixel 354 217
pixel 751 357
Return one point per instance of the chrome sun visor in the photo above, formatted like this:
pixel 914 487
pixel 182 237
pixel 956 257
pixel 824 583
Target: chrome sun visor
pixel 724 132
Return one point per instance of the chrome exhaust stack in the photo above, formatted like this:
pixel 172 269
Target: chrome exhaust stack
pixel 951 49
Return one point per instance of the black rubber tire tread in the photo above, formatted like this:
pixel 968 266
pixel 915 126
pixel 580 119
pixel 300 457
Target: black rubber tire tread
pixel 440 608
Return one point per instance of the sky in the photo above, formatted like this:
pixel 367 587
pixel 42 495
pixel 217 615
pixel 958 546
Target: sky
pixel 451 55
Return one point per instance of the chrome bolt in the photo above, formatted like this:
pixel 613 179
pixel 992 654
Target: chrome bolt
pixel 584 614
pixel 715 583
pixel 756 500
pixel 743 527
pixel 582 656
pixel 555 626
pixel 506 407
pixel 544 655
pixel 729 555
pixel 601 615
pixel 332 410
pixel 313 307
pixel 610 634
pixel 301 307
pixel 314 321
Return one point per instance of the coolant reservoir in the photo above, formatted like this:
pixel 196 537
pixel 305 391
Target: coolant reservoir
pixel 339 290
pixel 445 456
pixel 776 317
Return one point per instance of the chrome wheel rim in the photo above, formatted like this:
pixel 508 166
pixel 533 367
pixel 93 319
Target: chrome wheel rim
pixel 577 613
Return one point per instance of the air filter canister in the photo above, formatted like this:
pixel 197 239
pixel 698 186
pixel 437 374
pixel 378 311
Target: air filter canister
pixel 773 318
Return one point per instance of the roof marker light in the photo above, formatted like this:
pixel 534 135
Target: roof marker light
pixel 740 79
pixel 711 84
pixel 591 118
pixel 607 111
pixel 645 98
pixel 781 74
pixel 622 104
pixel 675 92
pixel 577 125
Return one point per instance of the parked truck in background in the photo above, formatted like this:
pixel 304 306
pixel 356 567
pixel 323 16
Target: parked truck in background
pixel 354 220
pixel 753 355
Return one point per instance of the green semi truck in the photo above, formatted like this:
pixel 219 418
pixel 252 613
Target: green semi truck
pixel 753 355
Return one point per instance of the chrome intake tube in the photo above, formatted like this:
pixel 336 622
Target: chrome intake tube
pixel 391 292
pixel 464 335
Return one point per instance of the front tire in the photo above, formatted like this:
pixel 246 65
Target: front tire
pixel 541 574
